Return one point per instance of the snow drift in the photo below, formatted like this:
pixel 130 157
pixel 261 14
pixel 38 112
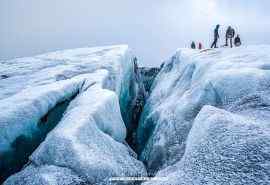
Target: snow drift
pixel 88 144
pixel 207 119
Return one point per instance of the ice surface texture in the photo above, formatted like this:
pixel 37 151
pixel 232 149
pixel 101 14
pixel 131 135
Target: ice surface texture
pixel 207 119
pixel 87 145
pixel 44 175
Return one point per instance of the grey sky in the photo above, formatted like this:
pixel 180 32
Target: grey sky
pixel 154 29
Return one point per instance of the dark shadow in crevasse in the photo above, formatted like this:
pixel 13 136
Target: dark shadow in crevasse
pixel 24 145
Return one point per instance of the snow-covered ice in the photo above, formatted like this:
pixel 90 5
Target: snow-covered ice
pixel 207 119
pixel 22 111
pixel 88 144
pixel 45 174
pixel 223 148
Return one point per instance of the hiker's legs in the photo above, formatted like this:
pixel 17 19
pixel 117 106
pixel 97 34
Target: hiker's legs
pixel 226 43
pixel 214 43
pixel 231 42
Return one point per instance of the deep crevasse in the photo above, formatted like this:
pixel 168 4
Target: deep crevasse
pixel 87 145
pixel 206 120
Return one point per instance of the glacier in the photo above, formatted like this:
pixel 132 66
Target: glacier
pixel 88 144
pixel 92 115
pixel 207 118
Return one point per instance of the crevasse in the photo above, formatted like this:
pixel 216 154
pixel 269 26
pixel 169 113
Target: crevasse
pixel 203 119
pixel 88 144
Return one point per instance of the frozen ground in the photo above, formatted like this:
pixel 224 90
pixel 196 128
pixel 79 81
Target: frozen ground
pixel 207 119
pixel 88 144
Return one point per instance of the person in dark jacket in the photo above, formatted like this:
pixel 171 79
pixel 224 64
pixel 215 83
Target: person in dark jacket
pixel 193 45
pixel 237 41
pixel 200 46
pixel 229 36
pixel 216 37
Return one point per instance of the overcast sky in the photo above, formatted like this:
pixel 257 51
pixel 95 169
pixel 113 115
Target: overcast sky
pixel 154 29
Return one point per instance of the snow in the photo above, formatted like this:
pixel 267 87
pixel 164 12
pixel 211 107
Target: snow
pixel 88 144
pixel 60 65
pixel 207 119
pixel 36 84
pixel 52 175
pixel 223 148
pixel 86 139
pixel 21 112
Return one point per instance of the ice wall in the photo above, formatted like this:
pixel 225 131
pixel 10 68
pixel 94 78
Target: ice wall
pixel 88 144
pixel 207 119
pixel 148 77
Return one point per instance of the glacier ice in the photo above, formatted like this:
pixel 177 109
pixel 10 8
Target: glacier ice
pixel 21 128
pixel 46 174
pixel 88 139
pixel 202 103
pixel 148 76
pixel 206 120
pixel 88 144
pixel 222 148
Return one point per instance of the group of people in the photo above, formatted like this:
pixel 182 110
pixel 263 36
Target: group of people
pixel 230 36
pixel 193 45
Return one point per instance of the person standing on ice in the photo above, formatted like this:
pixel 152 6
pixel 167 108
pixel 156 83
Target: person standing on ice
pixel 216 37
pixel 200 46
pixel 237 41
pixel 229 36
pixel 193 45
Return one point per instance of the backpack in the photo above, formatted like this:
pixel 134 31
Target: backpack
pixel 230 33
